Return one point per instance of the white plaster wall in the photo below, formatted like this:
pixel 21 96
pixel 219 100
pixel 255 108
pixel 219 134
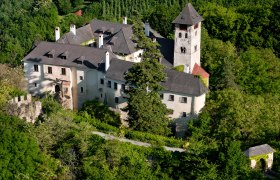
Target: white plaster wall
pixel 253 163
pixel 199 103
pixel 176 105
pixel 134 57
pixel 111 93
pixel 33 77
pixel 191 56
pixel 270 161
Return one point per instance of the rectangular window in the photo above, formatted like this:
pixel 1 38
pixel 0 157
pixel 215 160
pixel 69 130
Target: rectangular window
pixel 123 87
pixel 195 33
pixel 184 100
pixel 184 114
pixel 36 68
pixel 116 86
pixel 180 35
pixel 63 71
pixel 195 26
pixel 49 70
pixel 101 81
pixel 109 84
pixel 82 90
pixel 161 96
pixel 186 35
pixel 81 78
pixel 116 100
pixel 195 48
pixel 171 98
pixel 35 84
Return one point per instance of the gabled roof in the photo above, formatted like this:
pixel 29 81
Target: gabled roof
pixel 176 82
pixel 121 42
pixel 78 56
pixel 180 82
pixel 122 33
pixel 83 34
pixel 188 16
pixel 198 70
pixel 259 150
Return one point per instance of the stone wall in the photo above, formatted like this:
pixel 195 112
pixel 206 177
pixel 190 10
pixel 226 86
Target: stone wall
pixel 24 108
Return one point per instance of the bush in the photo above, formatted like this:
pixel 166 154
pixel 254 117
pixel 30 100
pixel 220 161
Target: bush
pixel 101 112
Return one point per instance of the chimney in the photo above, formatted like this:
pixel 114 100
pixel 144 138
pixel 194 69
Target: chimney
pixel 186 69
pixel 57 33
pixel 107 61
pixel 100 41
pixel 73 29
pixel 147 28
pixel 124 20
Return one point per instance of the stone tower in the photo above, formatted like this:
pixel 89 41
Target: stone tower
pixel 187 38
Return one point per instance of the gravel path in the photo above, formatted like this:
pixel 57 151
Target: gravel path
pixel 137 143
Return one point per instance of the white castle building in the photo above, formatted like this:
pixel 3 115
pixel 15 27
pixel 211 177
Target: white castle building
pixel 89 63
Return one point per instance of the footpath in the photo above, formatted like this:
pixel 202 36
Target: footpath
pixel 137 143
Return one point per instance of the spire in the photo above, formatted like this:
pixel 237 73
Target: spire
pixel 188 16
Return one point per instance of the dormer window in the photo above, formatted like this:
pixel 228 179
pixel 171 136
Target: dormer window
pixel 50 54
pixel 64 55
pixel 80 60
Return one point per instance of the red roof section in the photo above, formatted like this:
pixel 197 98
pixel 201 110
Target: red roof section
pixel 79 13
pixel 197 70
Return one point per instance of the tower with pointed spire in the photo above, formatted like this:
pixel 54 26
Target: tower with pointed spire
pixel 187 38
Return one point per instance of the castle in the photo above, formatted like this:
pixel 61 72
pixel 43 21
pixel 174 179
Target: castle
pixel 89 63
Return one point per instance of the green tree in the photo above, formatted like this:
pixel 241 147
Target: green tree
pixel 145 108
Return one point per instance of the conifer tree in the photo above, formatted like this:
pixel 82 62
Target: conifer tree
pixel 145 108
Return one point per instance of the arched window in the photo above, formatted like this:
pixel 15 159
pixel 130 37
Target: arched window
pixel 180 35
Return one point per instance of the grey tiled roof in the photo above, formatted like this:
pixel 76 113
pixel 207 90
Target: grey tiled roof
pixel 121 42
pixel 180 82
pixel 177 82
pixel 83 34
pixel 116 35
pixel 188 16
pixel 117 69
pixel 93 58
pixel 259 150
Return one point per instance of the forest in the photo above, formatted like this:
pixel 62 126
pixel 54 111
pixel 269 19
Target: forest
pixel 240 50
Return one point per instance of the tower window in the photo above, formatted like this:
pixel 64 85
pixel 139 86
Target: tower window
pixel 186 35
pixel 49 70
pixel 180 35
pixel 195 48
pixel 116 86
pixel 63 71
pixel 183 49
pixel 101 81
pixel 36 68
pixel 195 26
pixel 171 98
pixel 109 84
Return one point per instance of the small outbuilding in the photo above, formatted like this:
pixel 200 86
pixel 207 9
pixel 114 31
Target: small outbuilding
pixel 260 156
